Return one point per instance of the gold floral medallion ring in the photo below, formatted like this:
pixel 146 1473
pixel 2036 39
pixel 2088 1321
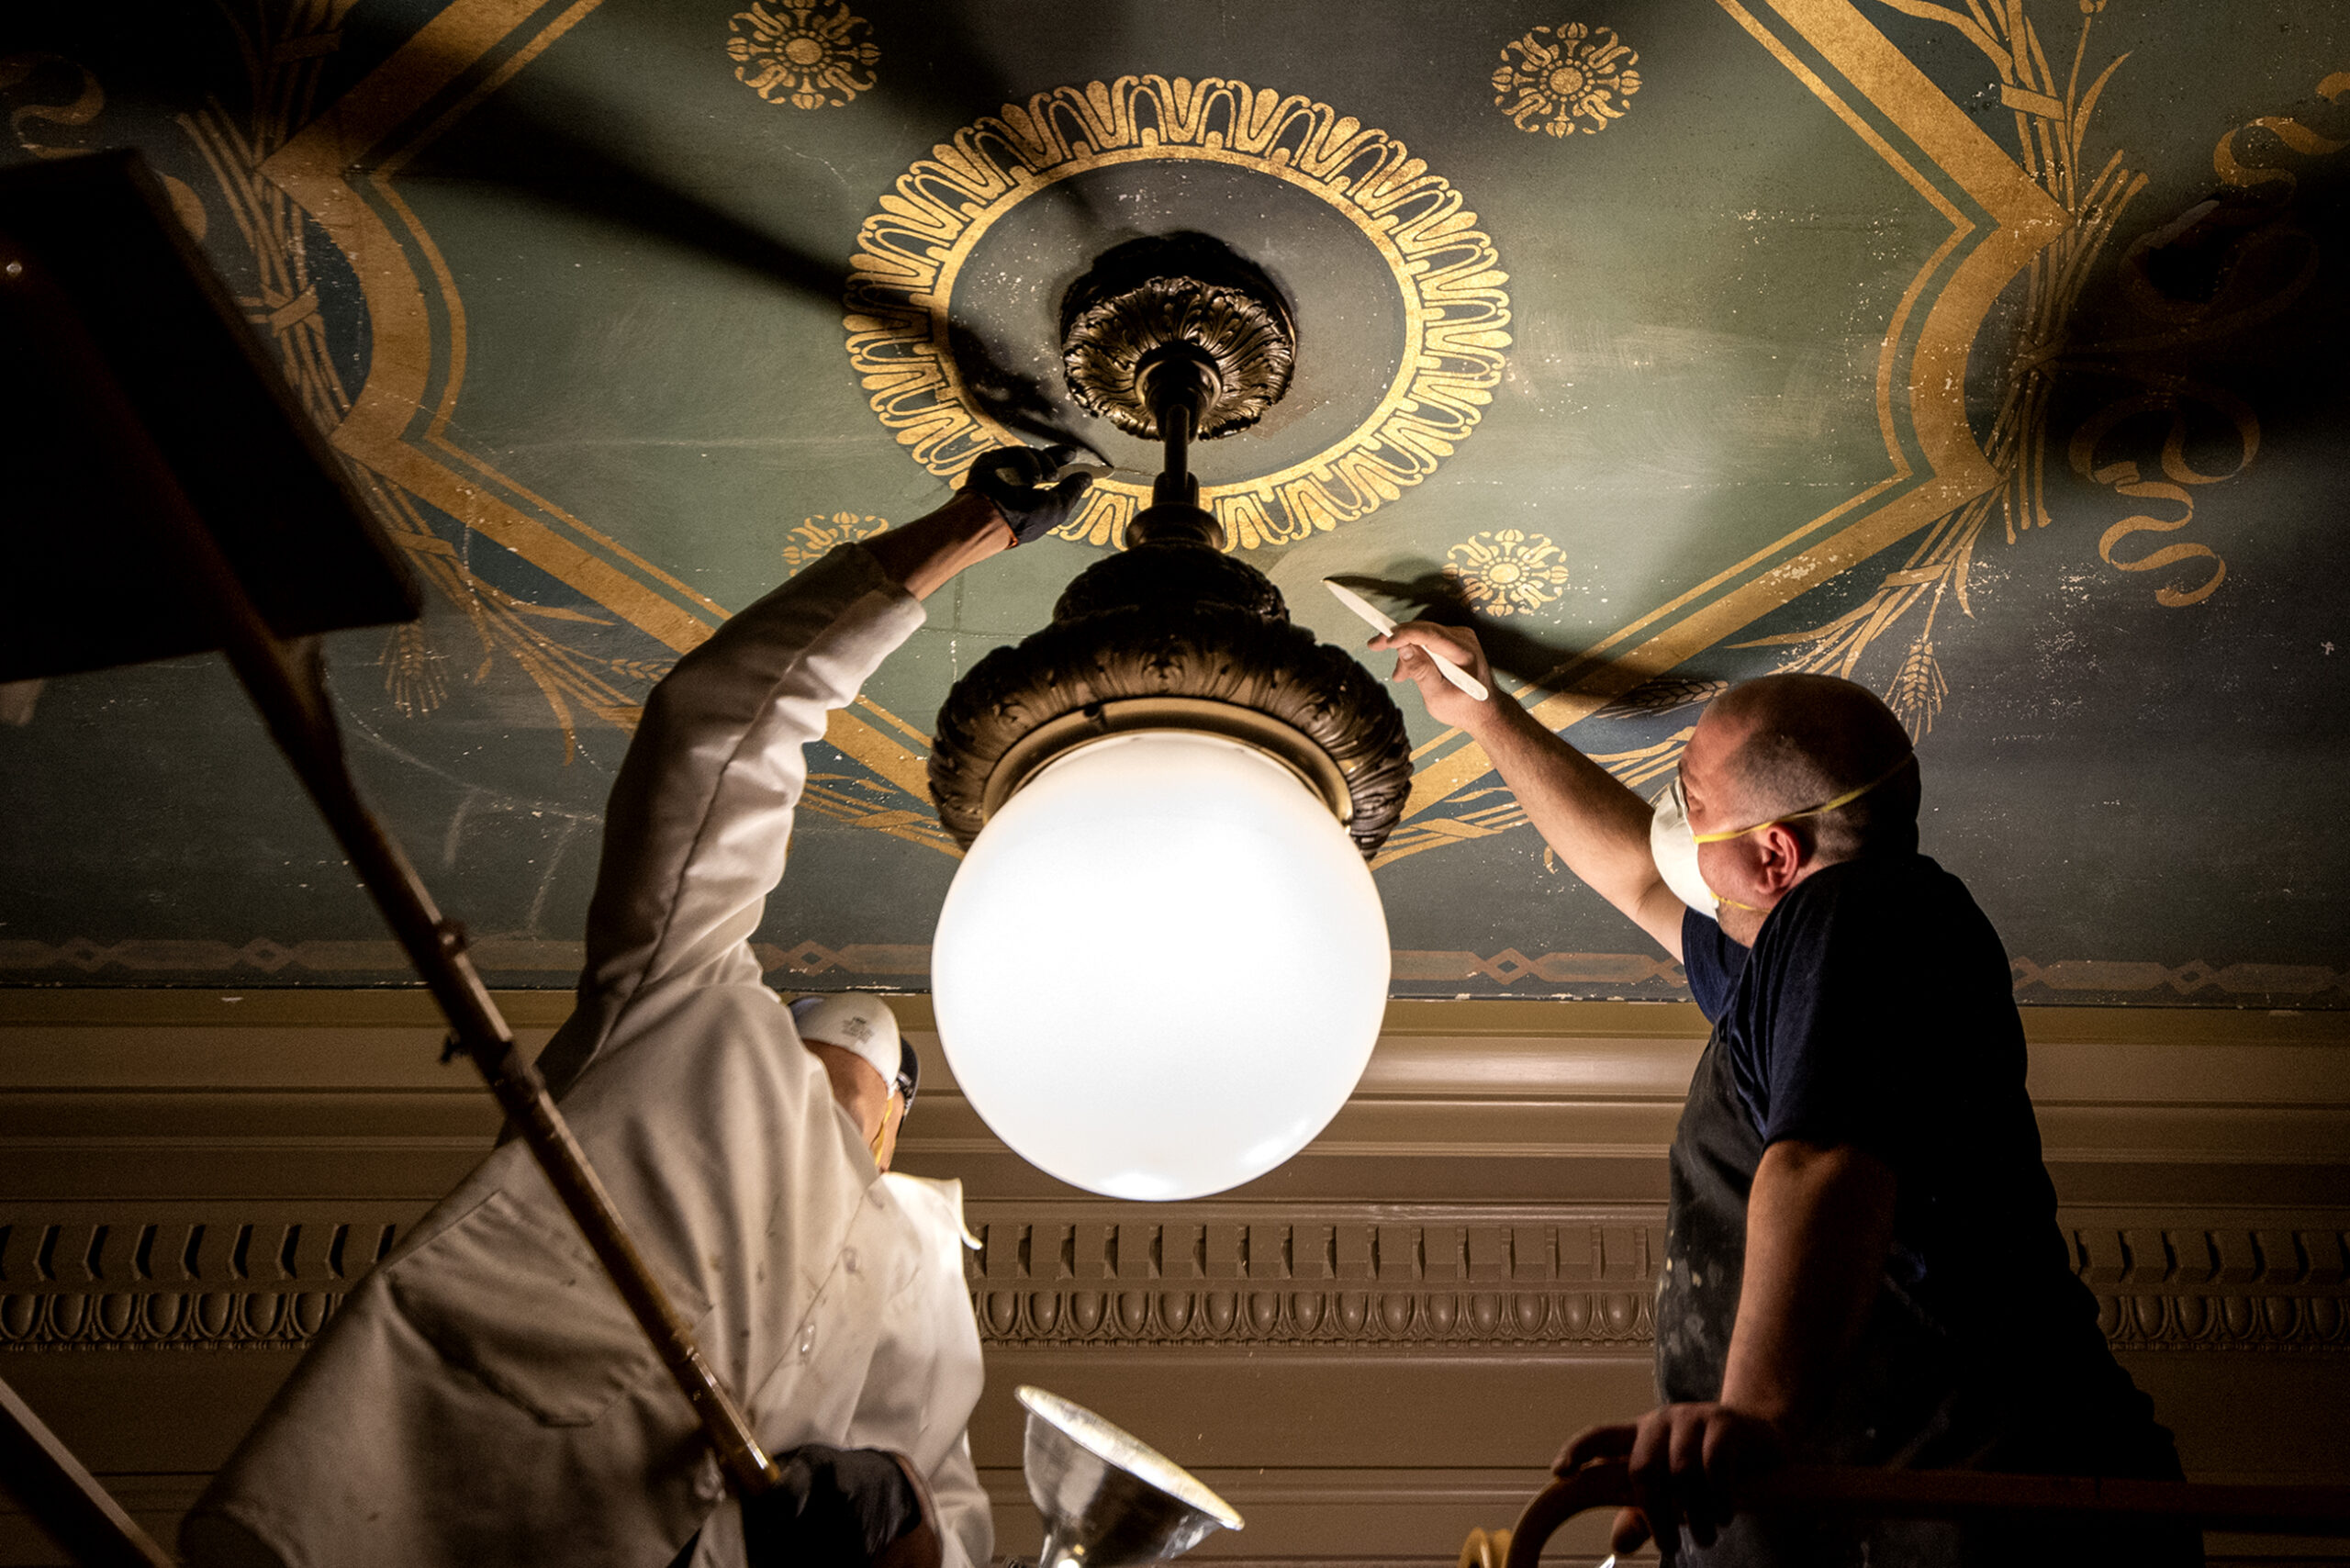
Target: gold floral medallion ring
pixel 913 251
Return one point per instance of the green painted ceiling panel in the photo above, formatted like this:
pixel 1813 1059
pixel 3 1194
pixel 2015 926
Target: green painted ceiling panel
pixel 1894 340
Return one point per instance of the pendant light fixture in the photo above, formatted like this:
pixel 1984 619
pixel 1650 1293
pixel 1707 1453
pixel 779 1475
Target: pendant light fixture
pixel 1162 965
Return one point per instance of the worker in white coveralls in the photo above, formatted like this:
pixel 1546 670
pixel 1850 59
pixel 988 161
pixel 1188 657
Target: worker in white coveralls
pixel 483 1397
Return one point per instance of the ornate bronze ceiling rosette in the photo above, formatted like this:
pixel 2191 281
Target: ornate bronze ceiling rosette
pixel 1149 296
pixel 911 249
pixel 1172 636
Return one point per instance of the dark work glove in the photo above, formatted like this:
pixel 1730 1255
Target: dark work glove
pixel 1016 479
pixel 833 1508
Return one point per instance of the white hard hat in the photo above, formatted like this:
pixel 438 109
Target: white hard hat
pixel 862 1026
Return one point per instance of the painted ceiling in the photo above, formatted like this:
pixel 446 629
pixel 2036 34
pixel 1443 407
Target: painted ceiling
pixel 1989 351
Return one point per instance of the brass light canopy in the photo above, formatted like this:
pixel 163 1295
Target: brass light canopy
pixel 1179 339
pixel 1184 305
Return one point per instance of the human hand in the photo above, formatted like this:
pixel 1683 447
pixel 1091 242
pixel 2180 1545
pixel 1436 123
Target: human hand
pixel 1687 1463
pixel 1017 479
pixel 844 1506
pixel 1447 703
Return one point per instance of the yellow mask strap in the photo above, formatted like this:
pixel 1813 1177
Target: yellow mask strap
pixel 1846 799
pixel 882 1132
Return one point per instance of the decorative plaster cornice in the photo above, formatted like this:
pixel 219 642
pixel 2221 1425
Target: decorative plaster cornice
pixel 1359 1279
pixel 1423 1321
pixel 1080 1275
pixel 1423 1223
pixel 155 1320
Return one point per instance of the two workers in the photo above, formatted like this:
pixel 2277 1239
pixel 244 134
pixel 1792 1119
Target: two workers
pixel 1863 1265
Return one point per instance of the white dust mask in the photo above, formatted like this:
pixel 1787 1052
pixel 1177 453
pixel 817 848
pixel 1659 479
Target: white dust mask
pixel 1673 847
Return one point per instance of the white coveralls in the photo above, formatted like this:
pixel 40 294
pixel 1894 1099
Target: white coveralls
pixel 482 1399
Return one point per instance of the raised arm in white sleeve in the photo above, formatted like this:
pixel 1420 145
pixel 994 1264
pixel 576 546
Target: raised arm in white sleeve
pixel 700 815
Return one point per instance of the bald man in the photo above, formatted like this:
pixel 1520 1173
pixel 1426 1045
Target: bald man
pixel 1863 1265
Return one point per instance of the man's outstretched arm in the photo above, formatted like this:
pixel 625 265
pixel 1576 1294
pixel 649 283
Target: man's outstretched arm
pixel 1595 824
pixel 700 815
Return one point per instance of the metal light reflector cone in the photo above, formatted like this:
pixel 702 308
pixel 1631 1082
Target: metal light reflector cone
pixel 1108 1499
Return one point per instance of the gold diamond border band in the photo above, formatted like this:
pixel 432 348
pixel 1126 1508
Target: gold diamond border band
pixel 911 251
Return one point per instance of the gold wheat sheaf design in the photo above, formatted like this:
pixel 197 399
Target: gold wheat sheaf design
pixel 911 250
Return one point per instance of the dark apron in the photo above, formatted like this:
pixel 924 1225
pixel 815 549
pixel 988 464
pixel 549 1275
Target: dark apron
pixel 1909 1395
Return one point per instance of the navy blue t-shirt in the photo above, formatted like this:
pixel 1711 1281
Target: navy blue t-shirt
pixel 1877 1010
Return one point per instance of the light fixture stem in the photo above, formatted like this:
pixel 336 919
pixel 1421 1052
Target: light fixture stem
pixel 1175 485
pixel 1178 383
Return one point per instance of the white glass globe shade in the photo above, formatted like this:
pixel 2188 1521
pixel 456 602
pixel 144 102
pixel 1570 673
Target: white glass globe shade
pixel 1161 968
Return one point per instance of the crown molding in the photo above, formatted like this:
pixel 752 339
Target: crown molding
pixel 286 1091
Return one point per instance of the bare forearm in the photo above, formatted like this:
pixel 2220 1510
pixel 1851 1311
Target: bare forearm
pixel 1817 1224
pixel 924 554
pixel 1599 828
